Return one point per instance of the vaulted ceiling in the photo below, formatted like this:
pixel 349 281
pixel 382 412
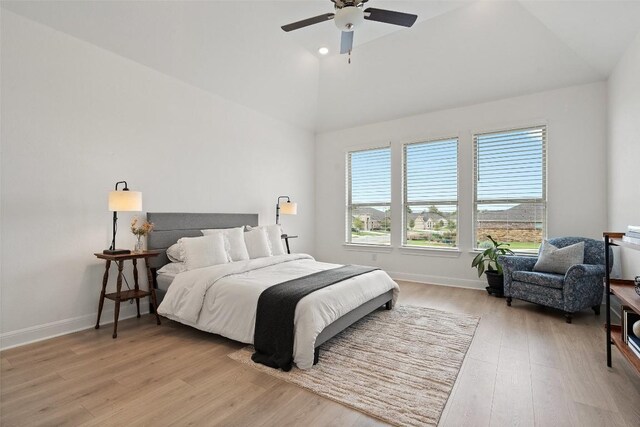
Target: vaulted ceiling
pixel 458 52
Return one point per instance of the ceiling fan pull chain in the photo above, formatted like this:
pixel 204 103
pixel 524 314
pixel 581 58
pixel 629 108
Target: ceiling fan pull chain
pixel 349 56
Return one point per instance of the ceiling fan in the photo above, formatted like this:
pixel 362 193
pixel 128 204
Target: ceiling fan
pixel 349 14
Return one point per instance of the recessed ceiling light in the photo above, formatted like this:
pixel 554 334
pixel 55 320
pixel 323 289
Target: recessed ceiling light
pixel 323 50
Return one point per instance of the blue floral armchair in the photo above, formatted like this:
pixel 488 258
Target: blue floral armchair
pixel 581 287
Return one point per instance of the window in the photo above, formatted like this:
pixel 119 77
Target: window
pixel 369 197
pixel 431 193
pixel 510 187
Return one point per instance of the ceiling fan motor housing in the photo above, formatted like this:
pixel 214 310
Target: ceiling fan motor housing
pixel 348 18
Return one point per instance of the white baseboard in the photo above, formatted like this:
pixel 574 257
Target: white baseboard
pixel 62 327
pixel 460 283
pixel 439 280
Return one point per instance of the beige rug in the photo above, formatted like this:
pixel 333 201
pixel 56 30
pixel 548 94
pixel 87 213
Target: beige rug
pixel 398 366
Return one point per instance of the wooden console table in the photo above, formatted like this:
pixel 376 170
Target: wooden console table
pixel 119 295
pixel 624 290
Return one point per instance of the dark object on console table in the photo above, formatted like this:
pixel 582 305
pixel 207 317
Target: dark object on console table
pixel 119 295
pixel 274 330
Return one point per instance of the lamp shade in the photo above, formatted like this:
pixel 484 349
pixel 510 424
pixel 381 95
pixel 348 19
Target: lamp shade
pixel 289 208
pixel 125 201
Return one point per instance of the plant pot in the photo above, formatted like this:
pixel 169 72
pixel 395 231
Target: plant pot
pixel 496 283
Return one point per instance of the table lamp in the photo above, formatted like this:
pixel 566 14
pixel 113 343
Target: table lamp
pixel 122 201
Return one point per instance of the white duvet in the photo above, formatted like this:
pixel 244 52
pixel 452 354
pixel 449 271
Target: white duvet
pixel 223 298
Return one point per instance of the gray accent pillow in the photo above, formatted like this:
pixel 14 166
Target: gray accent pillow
pixel 559 260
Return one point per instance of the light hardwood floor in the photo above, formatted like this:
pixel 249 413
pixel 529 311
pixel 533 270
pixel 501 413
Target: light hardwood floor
pixel 526 366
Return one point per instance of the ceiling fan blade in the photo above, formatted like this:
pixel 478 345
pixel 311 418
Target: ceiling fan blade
pixel 346 41
pixel 307 22
pixel 390 17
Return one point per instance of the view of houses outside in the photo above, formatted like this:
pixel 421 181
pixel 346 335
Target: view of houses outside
pixel 520 225
pixel 432 226
pixel 371 225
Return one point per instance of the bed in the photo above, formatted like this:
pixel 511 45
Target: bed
pixel 221 299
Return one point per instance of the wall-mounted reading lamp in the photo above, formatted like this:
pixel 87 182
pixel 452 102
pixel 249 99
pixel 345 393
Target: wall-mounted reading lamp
pixel 286 208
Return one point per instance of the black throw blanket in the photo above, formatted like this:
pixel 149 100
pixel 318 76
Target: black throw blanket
pixel 273 337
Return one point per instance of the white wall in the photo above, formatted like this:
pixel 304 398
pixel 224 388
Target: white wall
pixel 576 120
pixel 76 119
pixel 624 150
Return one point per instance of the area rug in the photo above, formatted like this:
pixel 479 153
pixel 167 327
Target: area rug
pixel 398 366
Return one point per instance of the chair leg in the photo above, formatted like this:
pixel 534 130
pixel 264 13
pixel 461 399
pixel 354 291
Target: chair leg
pixel 509 301
pixel 596 309
pixel 567 316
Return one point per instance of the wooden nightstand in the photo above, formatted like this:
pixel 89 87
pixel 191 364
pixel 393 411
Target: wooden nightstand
pixel 119 295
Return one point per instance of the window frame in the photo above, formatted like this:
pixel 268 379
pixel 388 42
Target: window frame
pixel 543 200
pixel 349 201
pixel 406 203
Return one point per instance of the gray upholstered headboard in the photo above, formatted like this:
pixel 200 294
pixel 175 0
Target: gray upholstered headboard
pixel 169 227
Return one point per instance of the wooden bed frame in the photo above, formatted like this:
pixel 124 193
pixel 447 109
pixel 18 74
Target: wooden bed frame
pixel 169 227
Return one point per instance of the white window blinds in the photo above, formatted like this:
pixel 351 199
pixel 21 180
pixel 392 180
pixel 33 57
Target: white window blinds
pixel 431 193
pixel 510 186
pixel 370 176
pixel 369 196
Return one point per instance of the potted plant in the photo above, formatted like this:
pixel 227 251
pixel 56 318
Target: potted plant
pixel 487 262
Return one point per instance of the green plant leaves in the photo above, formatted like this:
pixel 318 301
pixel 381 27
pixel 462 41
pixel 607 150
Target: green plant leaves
pixel 488 259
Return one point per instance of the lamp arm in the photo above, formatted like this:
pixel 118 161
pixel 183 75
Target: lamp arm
pixel 126 187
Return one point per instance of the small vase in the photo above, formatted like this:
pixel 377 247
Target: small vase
pixel 139 248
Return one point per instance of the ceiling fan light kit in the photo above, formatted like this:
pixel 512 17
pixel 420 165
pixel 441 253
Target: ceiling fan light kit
pixel 348 18
pixel 351 14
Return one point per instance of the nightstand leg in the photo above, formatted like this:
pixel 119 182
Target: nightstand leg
pixel 152 290
pixel 105 279
pixel 116 313
pixel 135 282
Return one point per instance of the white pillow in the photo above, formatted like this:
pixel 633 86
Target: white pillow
pixel 203 251
pixel 234 242
pixel 257 243
pixel 174 253
pixel 274 233
pixel 274 236
pixel 173 268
